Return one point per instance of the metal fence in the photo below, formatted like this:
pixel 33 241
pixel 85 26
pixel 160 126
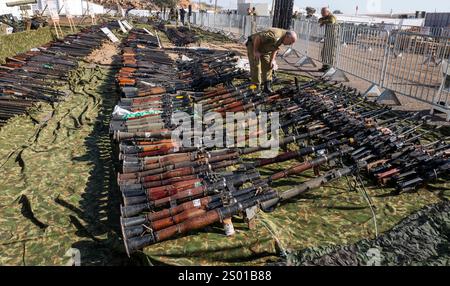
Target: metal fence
pixel 406 60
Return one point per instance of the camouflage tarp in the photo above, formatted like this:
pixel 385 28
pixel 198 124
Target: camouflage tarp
pixel 421 239
pixel 57 184
pixel 333 215
pixel 58 191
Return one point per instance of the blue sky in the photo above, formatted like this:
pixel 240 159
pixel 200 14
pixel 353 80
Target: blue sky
pixel 365 6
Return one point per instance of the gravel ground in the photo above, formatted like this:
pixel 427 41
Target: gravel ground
pixel 105 55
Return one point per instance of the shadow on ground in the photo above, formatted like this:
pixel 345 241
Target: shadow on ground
pixel 100 236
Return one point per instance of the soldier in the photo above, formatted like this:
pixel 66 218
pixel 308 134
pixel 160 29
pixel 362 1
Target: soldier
pixel 310 12
pixel 328 21
pixel 262 48
pixel 182 15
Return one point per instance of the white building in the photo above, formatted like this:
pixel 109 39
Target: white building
pixel 15 11
pixel 262 9
pixel 74 7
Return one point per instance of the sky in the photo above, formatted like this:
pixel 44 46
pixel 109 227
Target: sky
pixel 365 6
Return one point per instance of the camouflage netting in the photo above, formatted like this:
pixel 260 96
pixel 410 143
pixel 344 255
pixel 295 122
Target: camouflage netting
pixel 57 185
pixel 333 215
pixel 421 239
pixel 58 191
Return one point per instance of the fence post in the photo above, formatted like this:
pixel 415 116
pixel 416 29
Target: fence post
pixel 304 32
pixel 387 94
pixel 438 104
pixel 229 24
pixel 335 74
pixel 385 59
pixel 242 29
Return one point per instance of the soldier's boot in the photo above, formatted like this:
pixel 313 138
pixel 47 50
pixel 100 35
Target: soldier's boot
pixel 268 87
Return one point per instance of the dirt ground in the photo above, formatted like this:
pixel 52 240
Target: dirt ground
pixel 59 193
pixel 105 55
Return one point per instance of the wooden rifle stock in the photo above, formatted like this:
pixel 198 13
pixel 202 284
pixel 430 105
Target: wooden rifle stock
pixel 172 166
pixel 176 219
pixel 197 222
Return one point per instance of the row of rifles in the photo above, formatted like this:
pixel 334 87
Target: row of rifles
pixel 39 74
pixel 170 189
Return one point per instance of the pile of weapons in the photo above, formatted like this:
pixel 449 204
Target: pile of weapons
pixel 38 75
pixel 205 69
pixel 170 190
pixel 146 66
pixel 179 36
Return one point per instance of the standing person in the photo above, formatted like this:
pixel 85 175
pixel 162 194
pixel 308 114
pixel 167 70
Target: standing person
pixel 310 13
pixel 182 15
pixel 176 14
pixel 253 20
pixel 328 54
pixel 295 16
pixel 262 48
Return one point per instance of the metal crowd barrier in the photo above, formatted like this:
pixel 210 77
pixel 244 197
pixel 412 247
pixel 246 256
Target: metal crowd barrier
pixel 400 60
pixel 361 51
pixel 414 67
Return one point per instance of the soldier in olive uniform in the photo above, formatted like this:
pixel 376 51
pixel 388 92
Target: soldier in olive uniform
pixel 310 12
pixel 328 21
pixel 262 48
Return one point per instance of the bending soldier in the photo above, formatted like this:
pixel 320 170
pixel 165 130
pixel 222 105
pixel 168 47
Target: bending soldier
pixel 262 48
pixel 328 55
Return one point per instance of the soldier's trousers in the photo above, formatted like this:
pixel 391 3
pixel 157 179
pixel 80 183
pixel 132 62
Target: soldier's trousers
pixel 260 71
pixel 328 54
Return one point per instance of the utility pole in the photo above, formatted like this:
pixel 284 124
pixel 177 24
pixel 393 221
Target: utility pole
pixel 282 16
